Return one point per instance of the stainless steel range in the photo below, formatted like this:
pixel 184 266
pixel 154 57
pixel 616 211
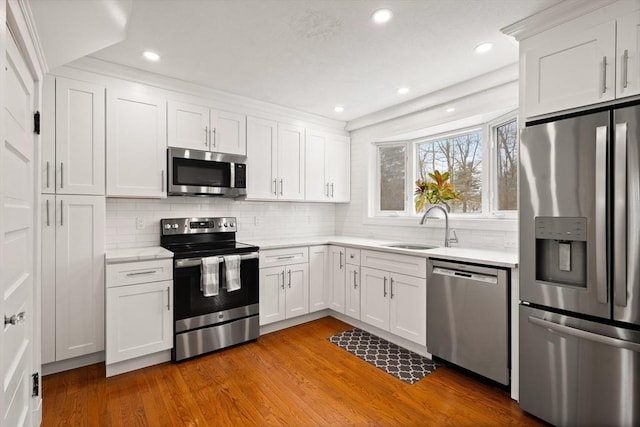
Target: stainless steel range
pixel 208 320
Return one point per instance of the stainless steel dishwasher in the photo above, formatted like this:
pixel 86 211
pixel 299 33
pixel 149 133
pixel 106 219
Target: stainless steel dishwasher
pixel 467 317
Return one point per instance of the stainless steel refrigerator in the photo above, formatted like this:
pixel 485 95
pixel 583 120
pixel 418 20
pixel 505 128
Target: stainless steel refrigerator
pixel 580 269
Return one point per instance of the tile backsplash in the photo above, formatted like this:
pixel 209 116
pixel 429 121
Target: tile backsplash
pixel 136 222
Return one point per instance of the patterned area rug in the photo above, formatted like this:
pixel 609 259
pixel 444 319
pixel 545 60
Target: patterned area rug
pixel 397 361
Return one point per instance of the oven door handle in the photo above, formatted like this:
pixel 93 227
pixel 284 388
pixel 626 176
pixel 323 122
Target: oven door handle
pixel 192 262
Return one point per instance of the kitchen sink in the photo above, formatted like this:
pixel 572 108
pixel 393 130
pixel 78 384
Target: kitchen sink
pixel 413 246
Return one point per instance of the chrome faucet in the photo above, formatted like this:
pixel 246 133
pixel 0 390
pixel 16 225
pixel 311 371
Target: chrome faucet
pixel 447 240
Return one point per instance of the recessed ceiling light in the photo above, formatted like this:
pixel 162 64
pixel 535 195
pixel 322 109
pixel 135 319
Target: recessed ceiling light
pixel 483 48
pixel 381 16
pixel 450 110
pixel 403 90
pixel 151 56
pixel 338 109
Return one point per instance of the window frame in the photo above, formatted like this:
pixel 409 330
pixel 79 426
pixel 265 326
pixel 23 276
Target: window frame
pixel 377 212
pixel 493 177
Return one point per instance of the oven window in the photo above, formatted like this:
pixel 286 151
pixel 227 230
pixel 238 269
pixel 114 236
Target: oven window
pixel 201 173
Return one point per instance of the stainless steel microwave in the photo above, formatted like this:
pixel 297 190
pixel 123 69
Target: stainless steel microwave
pixel 205 173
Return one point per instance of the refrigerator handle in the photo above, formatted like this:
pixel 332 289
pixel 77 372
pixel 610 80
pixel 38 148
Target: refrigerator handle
pixel 620 216
pixel 601 213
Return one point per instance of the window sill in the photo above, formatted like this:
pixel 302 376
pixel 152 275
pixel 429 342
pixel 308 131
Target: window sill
pixel 477 223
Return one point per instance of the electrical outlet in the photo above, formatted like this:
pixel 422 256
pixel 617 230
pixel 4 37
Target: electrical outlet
pixel 256 220
pixel 139 223
pixel 510 244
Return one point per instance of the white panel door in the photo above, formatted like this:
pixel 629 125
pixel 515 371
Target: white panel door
pixel 262 160
pixel 628 54
pixel 272 295
pixel 297 290
pixel 316 180
pixel 352 291
pixel 139 320
pixel 577 70
pixel 17 191
pixel 187 126
pixel 80 223
pixel 80 137
pixel 318 278
pixel 338 160
pixel 229 132
pixel 408 307
pixel 337 259
pixel 290 162
pixel 374 297
pixel 136 145
pixel 48 279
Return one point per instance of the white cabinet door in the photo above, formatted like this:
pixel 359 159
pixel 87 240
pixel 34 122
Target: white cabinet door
pixel 48 136
pixel 229 132
pixel 578 69
pixel 136 145
pixel 628 54
pixel 48 279
pixel 79 299
pixel 352 303
pixel 290 162
pixel 262 161
pixel 337 269
pixel 296 290
pixel 316 179
pixel 80 137
pixel 374 297
pixel 318 278
pixel 338 160
pixel 139 320
pixel 408 307
pixel 187 126
pixel 272 295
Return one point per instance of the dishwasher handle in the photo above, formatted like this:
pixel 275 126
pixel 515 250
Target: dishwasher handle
pixel 466 275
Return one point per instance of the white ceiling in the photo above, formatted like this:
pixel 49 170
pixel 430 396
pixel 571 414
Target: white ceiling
pixel 313 54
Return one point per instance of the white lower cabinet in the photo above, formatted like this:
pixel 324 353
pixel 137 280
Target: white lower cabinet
pixel 393 301
pixel 318 278
pixel 139 310
pixel 352 294
pixel 337 278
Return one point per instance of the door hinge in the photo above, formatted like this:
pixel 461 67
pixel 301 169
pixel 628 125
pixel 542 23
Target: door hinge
pixel 36 123
pixel 35 390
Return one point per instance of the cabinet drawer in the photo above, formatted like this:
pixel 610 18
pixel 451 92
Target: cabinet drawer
pixel 288 256
pixel 403 264
pixel 353 256
pixel 129 273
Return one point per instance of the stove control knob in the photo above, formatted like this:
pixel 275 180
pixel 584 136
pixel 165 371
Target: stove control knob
pixel 219 225
pixel 233 224
pixel 226 225
pixel 167 226
pixel 174 226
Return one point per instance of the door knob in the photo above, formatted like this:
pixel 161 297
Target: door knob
pixel 16 319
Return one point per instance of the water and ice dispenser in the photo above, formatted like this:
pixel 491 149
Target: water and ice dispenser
pixel 561 250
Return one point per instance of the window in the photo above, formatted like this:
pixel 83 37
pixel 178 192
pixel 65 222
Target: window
pixel 482 163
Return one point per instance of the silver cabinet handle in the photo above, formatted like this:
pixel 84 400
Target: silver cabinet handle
pixel 384 287
pixel 391 288
pixel 579 333
pixel 61 212
pixel 162 182
pixel 604 74
pixel 16 319
pixel 327 192
pixel 206 136
pixel 168 298
pixel 620 222
pixel 332 189
pixel 286 257
pixel 275 187
pixel 61 175
pixel 341 264
pixel 281 187
pixel 355 279
pixel 601 213
pixel 214 137
pixel 140 273
pixel 47 175
pixel 282 286
pixel 289 279
pixel 625 68
pixel 48 221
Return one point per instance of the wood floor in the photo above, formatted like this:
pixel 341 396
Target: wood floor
pixel 293 377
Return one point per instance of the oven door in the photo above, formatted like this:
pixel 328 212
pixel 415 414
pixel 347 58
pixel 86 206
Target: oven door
pixel 193 310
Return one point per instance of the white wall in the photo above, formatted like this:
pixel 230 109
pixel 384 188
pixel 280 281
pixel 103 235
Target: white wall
pixel 275 219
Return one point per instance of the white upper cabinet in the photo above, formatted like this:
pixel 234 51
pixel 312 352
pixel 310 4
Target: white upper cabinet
pixel 628 54
pixel 327 166
pixel 201 128
pixel 275 157
pixel 136 145
pixel 73 137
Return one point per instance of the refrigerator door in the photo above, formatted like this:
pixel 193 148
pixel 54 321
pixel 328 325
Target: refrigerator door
pixel 575 372
pixel 626 207
pixel 563 214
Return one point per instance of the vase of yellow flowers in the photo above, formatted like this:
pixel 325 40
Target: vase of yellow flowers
pixel 438 190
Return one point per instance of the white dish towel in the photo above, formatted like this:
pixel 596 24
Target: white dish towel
pixel 209 276
pixel 232 272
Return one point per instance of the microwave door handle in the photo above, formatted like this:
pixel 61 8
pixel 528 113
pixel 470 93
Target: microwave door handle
pixel 620 213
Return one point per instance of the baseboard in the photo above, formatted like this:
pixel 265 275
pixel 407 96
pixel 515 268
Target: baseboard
pixel 284 324
pixel 138 363
pixel 76 362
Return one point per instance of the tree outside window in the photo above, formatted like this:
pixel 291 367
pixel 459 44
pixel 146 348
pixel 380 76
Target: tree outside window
pixel 507 166
pixel 392 172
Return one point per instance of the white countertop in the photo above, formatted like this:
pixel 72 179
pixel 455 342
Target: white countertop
pixel 481 256
pixel 113 256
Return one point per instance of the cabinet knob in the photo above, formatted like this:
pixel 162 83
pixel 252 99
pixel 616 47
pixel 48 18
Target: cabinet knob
pixel 16 319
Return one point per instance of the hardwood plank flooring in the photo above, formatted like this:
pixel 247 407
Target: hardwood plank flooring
pixel 293 377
